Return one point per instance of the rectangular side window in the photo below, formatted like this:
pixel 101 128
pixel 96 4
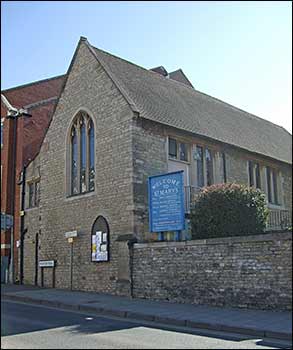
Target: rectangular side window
pixel 275 187
pixel 172 148
pixel 37 193
pixel 269 185
pixel 199 168
pixel 257 176
pixel 224 167
pixel 250 173
pixel 183 151
pixel 31 195
pixel 209 167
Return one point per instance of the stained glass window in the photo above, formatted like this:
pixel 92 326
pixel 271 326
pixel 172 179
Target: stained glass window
pixel 82 155
pixel 74 188
pixel 91 157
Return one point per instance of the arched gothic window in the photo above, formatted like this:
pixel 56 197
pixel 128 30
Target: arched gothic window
pixel 82 155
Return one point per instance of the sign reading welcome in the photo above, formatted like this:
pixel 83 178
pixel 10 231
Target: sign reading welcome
pixel 166 202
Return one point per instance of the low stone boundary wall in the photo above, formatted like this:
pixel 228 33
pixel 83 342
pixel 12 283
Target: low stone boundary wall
pixel 251 271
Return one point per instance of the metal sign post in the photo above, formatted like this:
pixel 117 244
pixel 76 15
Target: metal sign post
pixel 47 264
pixel 70 236
pixel 70 240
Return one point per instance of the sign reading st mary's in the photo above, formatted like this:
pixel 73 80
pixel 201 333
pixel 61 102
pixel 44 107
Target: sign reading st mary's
pixel 166 202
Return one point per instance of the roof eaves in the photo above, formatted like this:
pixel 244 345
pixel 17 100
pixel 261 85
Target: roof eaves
pixel 212 139
pixel 32 83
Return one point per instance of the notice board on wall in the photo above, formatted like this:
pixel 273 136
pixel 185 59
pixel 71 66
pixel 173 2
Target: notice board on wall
pixel 100 246
pixel 166 202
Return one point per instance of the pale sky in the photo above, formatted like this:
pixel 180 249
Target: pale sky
pixel 239 52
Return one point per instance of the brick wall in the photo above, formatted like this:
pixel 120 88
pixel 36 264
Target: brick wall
pixel 7 187
pixel 251 272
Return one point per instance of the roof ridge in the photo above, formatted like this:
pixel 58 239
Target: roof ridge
pixel 41 102
pixel 33 83
pixel 241 110
pixel 159 76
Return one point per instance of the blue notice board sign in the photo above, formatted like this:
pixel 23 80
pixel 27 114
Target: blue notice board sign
pixel 166 202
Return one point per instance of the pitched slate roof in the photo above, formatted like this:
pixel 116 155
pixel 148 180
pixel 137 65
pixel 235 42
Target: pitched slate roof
pixel 175 104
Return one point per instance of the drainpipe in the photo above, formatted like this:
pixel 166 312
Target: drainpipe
pixel 12 203
pixel 22 230
pixel 130 244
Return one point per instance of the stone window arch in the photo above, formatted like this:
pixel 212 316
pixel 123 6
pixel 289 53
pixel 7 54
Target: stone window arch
pixel 81 163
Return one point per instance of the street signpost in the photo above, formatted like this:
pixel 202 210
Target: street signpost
pixel 166 203
pixel 6 221
pixel 70 236
pixel 43 264
pixel 47 263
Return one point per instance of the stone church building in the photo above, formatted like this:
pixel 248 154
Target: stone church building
pixel 99 132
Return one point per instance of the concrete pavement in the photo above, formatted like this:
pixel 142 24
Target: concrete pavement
pixel 257 323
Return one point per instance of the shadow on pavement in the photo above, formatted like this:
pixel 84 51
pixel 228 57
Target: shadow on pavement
pixel 19 318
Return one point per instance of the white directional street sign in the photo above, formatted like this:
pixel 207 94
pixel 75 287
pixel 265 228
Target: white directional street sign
pixel 71 234
pixel 47 263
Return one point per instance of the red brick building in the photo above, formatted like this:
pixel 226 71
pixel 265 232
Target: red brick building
pixel 39 98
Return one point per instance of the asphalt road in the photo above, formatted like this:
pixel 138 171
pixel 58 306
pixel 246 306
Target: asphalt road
pixel 25 326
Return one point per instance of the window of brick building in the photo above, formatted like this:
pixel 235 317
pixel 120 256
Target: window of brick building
pixel 33 194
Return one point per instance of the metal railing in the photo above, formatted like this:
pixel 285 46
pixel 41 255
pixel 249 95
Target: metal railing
pixel 190 194
pixel 279 219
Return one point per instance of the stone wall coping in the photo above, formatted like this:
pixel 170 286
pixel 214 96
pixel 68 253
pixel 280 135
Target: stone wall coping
pixel 223 240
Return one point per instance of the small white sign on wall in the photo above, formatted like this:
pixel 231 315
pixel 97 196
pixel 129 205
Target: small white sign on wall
pixel 71 234
pixel 47 263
